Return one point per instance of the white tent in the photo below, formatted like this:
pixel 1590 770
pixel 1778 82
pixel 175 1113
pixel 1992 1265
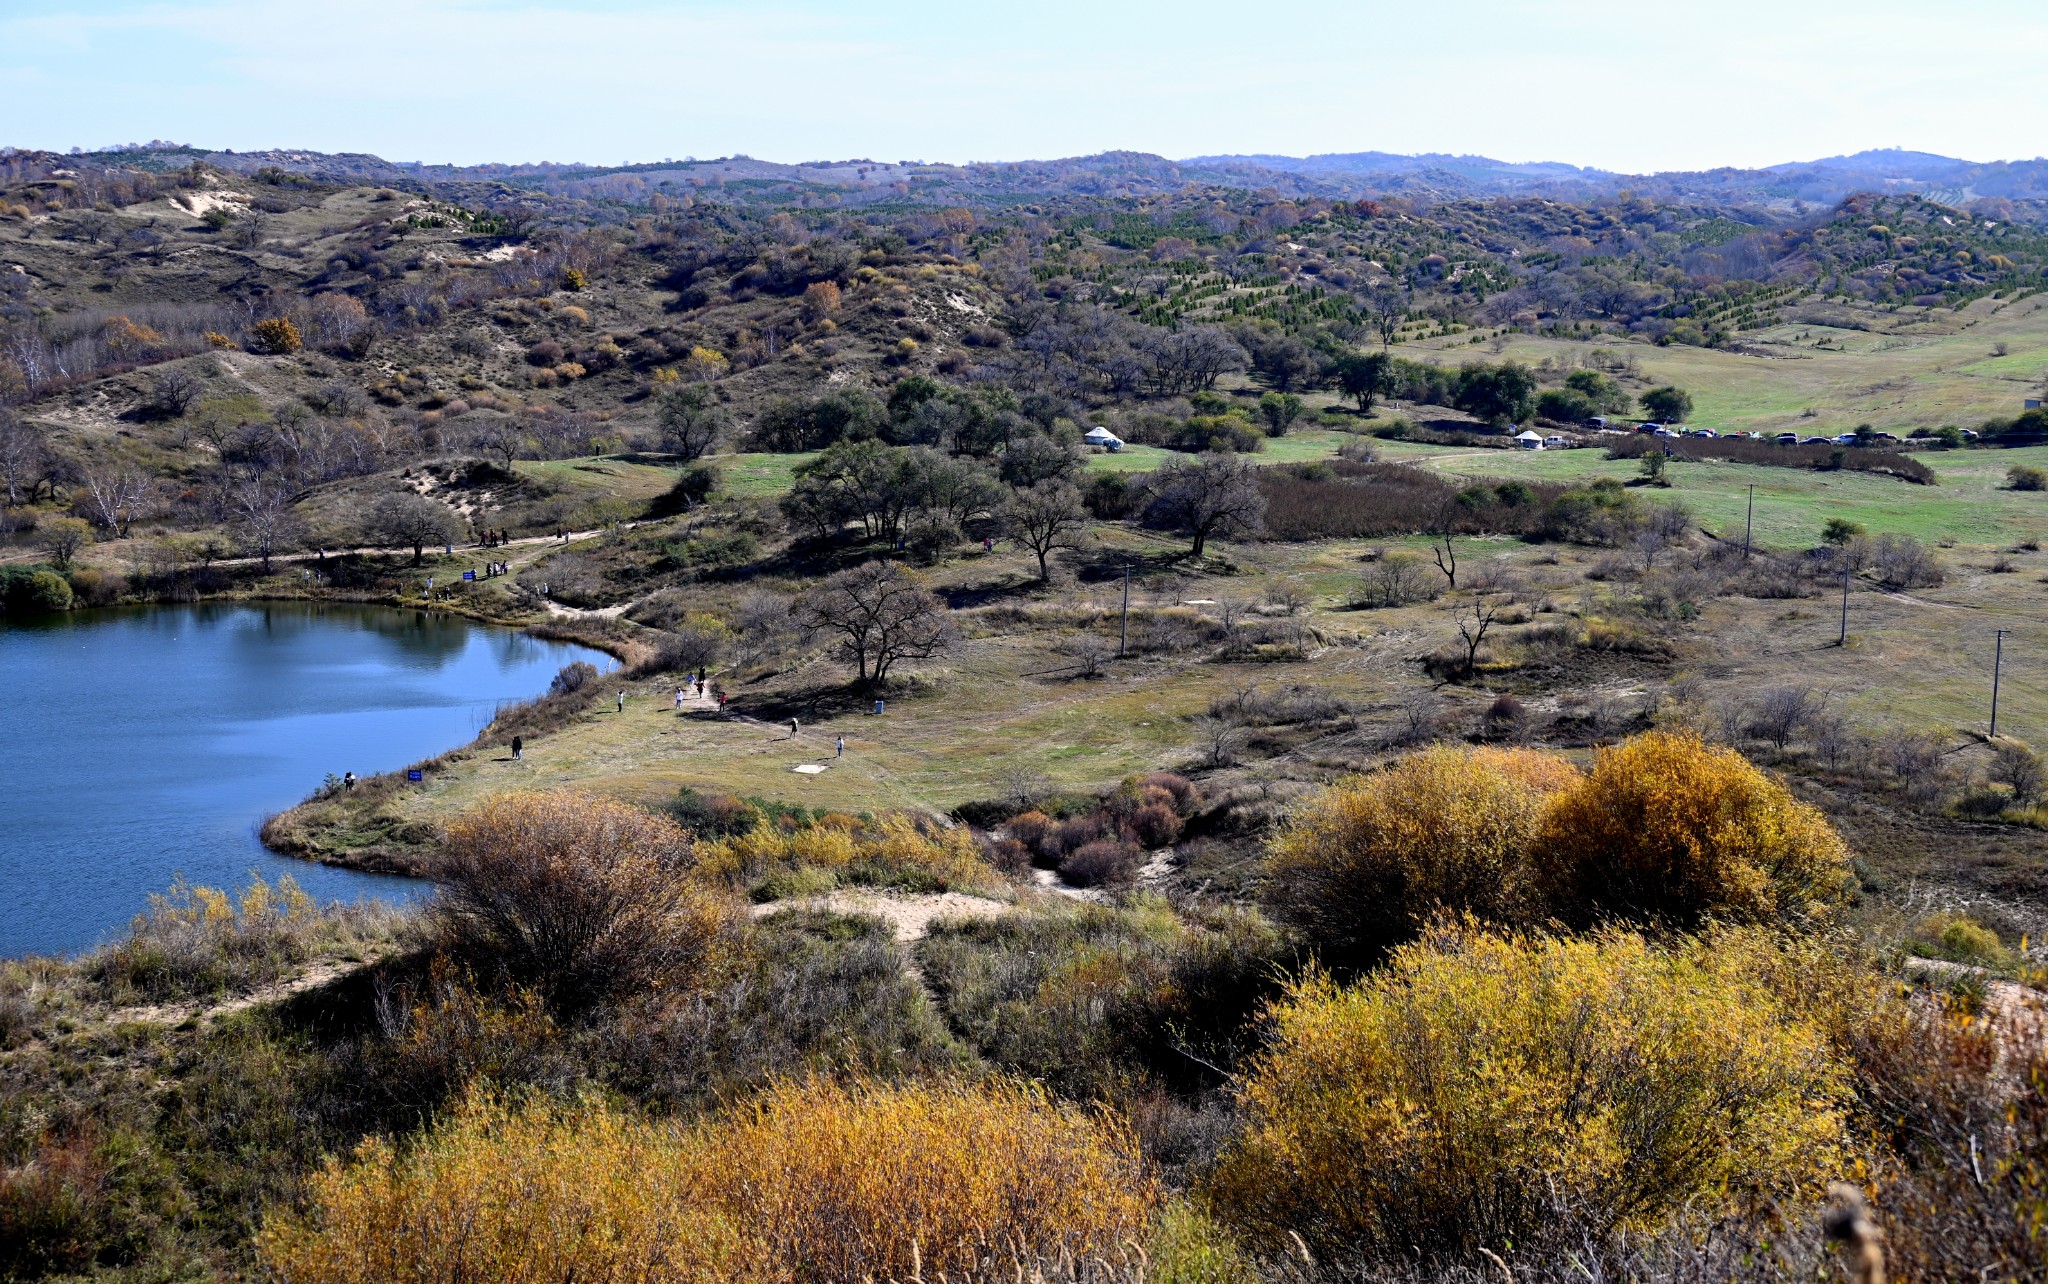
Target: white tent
pixel 1529 439
pixel 1103 437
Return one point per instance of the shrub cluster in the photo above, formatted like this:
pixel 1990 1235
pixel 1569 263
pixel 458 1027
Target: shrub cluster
pixel 1665 830
pixel 795 853
pixel 1486 1090
pixel 578 896
pixel 1106 844
pixel 809 1180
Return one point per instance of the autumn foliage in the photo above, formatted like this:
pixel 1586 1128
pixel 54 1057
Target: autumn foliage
pixel 1482 1088
pixel 276 337
pixel 808 1181
pixel 1665 831
pixel 1668 829
pixel 579 896
pixel 1365 865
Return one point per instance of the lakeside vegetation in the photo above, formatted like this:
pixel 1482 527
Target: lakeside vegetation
pixel 1315 840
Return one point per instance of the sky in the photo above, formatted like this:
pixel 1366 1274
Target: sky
pixel 1630 85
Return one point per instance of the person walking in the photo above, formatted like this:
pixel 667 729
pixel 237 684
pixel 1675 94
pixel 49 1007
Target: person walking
pixel 622 702
pixel 518 744
pixel 792 728
pixel 348 782
pixel 839 751
pixel 679 699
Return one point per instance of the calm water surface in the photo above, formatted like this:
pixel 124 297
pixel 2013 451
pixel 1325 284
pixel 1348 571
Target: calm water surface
pixel 140 744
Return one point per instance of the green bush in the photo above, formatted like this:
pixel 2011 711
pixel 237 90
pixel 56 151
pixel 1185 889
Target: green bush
pixel 2025 477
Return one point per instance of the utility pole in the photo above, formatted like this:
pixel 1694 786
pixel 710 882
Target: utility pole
pixel 1123 633
pixel 1843 640
pixel 1748 521
pixel 1997 663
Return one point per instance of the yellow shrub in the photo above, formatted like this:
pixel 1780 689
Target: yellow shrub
pixel 509 1196
pixel 810 1181
pixel 1367 862
pixel 1480 1085
pixel 1669 829
pixel 277 336
pixel 841 1182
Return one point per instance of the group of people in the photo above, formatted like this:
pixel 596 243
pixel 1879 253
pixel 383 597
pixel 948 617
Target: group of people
pixel 491 539
pixel 497 568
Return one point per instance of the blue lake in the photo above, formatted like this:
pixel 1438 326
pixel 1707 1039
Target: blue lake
pixel 140 744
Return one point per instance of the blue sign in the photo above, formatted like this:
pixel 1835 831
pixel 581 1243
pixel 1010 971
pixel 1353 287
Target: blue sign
pixel 415 775
pixel 469 575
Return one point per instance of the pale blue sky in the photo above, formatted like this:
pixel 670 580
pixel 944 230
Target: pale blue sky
pixel 1623 84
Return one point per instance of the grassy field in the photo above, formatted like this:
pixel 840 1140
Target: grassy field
pixel 1906 373
pixel 1969 506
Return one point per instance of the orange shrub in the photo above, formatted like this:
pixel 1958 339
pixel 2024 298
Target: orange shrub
pixel 1671 830
pixel 579 896
pixel 812 1181
pixel 1369 860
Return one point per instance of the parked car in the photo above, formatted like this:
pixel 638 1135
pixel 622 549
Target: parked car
pixel 1648 427
pixel 1846 439
pixel 1816 441
pixel 1788 439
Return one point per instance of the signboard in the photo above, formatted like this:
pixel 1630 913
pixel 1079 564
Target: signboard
pixel 415 775
pixel 469 575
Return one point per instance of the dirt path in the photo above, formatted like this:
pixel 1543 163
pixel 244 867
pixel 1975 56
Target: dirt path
pixel 175 1014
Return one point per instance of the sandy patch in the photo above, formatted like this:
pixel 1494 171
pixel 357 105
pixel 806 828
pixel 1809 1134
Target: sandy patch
pixel 909 916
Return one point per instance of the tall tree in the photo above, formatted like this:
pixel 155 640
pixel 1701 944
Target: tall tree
pixel 1217 494
pixel 1045 517
pixel 262 511
pixel 880 613
pixel 690 420
pixel 1364 376
pixel 414 520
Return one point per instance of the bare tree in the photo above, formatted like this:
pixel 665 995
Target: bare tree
pixel 1444 521
pixel 1395 579
pixel 1473 621
pixel 1221 736
pixel 1046 517
pixel 1215 495
pixel 173 392
pixel 690 420
pixel 763 624
pixel 263 513
pixel 412 519
pixel 1387 307
pixel 1087 650
pixel 882 613
pixel 1779 713
pixel 115 494
pixel 23 457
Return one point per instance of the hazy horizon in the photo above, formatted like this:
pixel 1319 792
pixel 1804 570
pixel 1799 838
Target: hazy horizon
pixel 1592 83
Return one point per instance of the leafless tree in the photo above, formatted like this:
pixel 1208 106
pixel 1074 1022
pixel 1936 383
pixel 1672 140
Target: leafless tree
pixel 263 514
pixel 1474 620
pixel 1395 579
pixel 23 456
pixel 1778 714
pixel 1387 307
pixel 115 494
pixel 173 392
pixel 1045 517
pixel 412 520
pixel 1215 495
pixel 1089 651
pixel 881 613
pixel 1444 521
pixel 1221 736
pixel 763 624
